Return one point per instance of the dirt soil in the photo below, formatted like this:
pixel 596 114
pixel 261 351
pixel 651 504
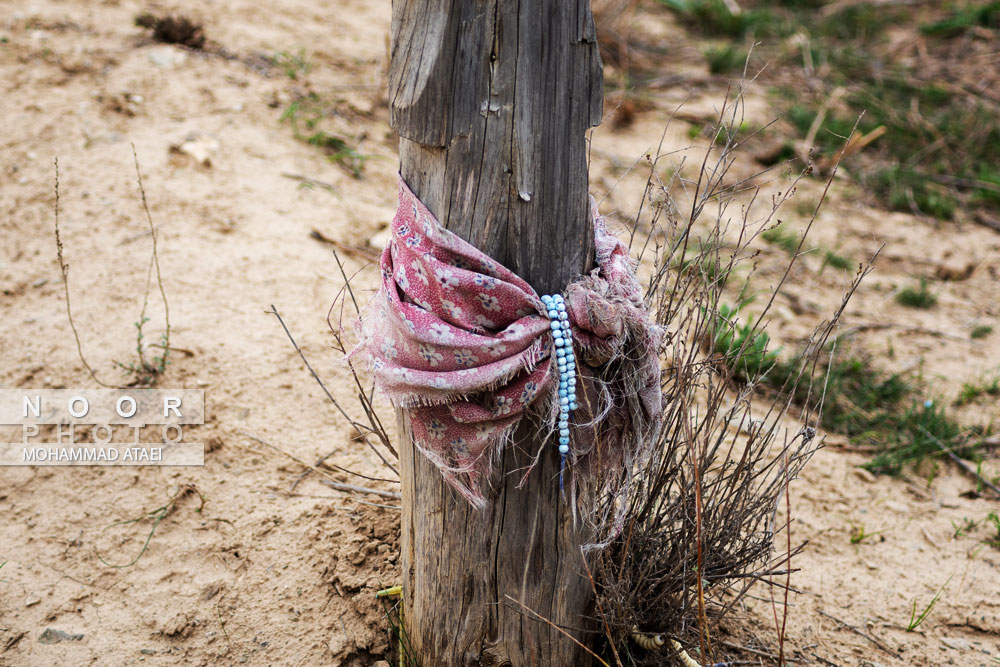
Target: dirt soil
pixel 278 570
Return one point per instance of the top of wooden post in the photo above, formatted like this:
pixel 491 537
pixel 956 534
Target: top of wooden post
pixel 492 101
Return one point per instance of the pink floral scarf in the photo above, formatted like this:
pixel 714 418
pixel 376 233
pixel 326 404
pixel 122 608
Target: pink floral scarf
pixel 464 346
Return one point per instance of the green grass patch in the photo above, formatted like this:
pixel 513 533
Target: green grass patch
pixel 940 144
pixel 918 435
pixel 832 133
pixel 743 346
pixel 305 117
pixel 980 331
pixel 859 400
pixel 712 17
pixel 917 297
pixel 725 59
pixel 859 534
pixel 959 20
pixel 972 391
pixel 837 261
pixel 783 237
pixel 910 191
pixel 881 412
pixel 994 521
pixel 987 185
pixel 293 64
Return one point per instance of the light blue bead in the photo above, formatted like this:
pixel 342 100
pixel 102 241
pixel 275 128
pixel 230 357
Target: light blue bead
pixel 563 400
pixel 564 449
pixel 560 342
pixel 564 440
pixel 564 432
pixel 563 423
pixel 546 298
pixel 572 406
pixel 554 326
pixel 562 316
pixel 562 392
pixel 561 352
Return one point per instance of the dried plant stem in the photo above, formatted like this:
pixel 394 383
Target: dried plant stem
pixel 155 261
pixel 545 620
pixel 361 428
pixel 861 633
pixel 64 271
pixel 700 523
pixel 966 468
pixel 597 599
pixel 332 481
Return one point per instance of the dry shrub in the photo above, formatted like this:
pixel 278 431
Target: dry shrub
pixel 702 516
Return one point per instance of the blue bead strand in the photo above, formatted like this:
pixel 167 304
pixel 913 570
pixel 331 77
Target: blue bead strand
pixel 562 336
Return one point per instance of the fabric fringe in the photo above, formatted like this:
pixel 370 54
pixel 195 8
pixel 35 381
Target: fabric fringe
pixel 465 386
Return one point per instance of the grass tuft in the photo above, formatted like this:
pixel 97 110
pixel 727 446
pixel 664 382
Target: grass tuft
pixel 915 436
pixel 293 64
pixel 830 258
pixel 304 116
pixel 936 138
pixel 980 331
pixel 917 297
pixel 783 237
pixel 971 391
pixel 994 520
pixel 744 346
pixel 916 620
pixel 713 17
pixel 961 19
pixel 725 59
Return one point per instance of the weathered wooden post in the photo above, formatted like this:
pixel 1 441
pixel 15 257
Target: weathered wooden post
pixel 492 100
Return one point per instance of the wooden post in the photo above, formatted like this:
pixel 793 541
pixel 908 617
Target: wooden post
pixel 492 99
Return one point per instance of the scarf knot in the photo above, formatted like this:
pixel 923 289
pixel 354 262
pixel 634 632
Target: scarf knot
pixel 464 345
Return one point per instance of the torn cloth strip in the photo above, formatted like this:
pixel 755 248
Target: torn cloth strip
pixel 465 346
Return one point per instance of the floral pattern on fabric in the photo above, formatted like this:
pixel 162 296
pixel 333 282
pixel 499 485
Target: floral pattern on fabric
pixel 464 345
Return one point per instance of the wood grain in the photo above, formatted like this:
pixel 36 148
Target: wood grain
pixel 492 101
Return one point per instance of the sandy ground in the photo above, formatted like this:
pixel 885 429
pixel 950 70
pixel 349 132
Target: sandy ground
pixel 267 575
